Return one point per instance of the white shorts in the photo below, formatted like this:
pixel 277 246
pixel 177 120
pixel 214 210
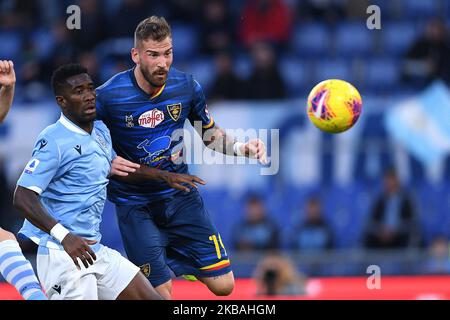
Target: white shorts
pixel 104 280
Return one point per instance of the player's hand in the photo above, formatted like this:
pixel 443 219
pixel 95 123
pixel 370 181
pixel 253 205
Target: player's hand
pixel 7 74
pixel 78 248
pixel 176 180
pixel 255 149
pixel 122 167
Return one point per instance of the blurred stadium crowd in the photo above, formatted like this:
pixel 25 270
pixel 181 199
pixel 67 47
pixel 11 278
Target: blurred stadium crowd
pixel 272 50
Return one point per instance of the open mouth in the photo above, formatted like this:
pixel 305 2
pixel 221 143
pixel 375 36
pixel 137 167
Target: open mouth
pixel 90 108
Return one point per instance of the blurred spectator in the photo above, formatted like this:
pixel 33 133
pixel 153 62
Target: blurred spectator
pixel 93 25
pixel 89 60
pixel 257 231
pixel 265 20
pixel 131 12
pixel 216 27
pixel 63 51
pixel 438 261
pixel 276 276
pixel 330 11
pixel 265 81
pixel 19 14
pixel 393 221
pixel 186 11
pixel 427 59
pixel 226 85
pixel 313 233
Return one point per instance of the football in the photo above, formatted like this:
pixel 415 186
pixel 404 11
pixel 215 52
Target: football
pixel 334 105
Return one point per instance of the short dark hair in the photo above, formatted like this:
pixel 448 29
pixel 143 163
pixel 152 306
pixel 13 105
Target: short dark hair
pixel 64 72
pixel 155 28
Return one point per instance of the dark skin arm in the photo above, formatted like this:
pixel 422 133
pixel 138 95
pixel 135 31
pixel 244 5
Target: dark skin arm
pixel 129 172
pixel 27 202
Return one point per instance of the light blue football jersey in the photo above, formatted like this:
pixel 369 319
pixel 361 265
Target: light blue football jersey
pixel 69 169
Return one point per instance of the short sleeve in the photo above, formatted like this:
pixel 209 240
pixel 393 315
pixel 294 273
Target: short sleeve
pixel 199 111
pixel 42 167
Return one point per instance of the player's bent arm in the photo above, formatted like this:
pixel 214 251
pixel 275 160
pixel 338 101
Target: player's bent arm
pixel 27 202
pixel 7 84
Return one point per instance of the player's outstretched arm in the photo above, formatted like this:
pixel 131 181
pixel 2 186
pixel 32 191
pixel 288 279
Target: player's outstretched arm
pixel 216 139
pixel 130 172
pixel 7 84
pixel 27 202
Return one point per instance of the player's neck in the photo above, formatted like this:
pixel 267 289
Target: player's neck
pixel 143 84
pixel 86 126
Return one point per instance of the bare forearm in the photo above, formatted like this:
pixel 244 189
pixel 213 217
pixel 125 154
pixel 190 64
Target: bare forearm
pixel 27 202
pixel 6 99
pixel 144 173
pixel 216 139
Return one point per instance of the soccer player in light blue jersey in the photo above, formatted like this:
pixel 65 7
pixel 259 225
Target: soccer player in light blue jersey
pixel 13 266
pixel 165 229
pixel 62 192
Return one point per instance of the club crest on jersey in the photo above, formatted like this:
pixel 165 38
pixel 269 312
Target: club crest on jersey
pixel 129 121
pixel 145 269
pixel 151 119
pixel 174 111
pixel 31 166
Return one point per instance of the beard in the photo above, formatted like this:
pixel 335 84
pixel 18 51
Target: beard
pixel 148 77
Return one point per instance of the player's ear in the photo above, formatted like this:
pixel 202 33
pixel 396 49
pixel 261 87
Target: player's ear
pixel 135 55
pixel 61 101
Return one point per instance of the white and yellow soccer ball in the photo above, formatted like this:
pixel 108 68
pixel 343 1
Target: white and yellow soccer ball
pixel 334 105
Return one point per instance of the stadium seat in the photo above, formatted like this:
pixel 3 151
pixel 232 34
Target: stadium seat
pixel 354 39
pixel 421 9
pixel 44 42
pixel 203 71
pixel 11 43
pixel 398 37
pixel 381 73
pixel 243 66
pixel 311 40
pixel 296 76
pixel 185 38
pixel 332 69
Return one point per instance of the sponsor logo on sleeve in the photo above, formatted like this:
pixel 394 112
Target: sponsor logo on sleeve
pixel 31 166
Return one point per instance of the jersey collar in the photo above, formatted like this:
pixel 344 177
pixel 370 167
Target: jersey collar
pixel 71 126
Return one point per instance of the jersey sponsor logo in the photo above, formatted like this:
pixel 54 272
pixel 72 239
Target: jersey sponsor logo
pixel 129 121
pixel 145 269
pixel 31 166
pixel 155 150
pixel 174 111
pixel 151 119
pixel 42 144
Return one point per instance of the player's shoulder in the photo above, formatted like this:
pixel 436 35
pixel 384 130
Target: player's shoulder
pixel 101 126
pixel 119 81
pixel 180 79
pixel 49 136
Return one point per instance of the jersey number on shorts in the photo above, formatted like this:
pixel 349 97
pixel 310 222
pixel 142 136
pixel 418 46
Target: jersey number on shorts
pixel 213 238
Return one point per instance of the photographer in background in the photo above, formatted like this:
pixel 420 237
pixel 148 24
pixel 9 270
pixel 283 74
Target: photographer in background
pixel 276 275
